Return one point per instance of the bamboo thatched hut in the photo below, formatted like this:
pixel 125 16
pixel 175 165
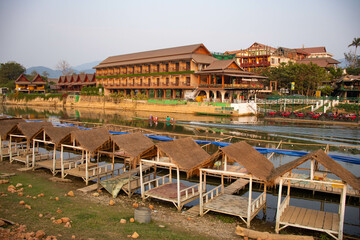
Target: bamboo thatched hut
pixel 50 135
pixel 24 131
pixel 320 166
pixel 182 155
pixel 251 166
pixel 6 125
pixel 130 147
pixel 88 142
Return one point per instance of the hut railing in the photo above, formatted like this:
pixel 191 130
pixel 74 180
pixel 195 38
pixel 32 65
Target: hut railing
pixel 76 163
pixel 212 193
pixel 158 181
pixel 192 189
pixel 100 169
pixel 258 202
pixel 284 204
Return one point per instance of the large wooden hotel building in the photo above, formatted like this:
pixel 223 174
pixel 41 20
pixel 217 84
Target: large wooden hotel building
pixel 180 72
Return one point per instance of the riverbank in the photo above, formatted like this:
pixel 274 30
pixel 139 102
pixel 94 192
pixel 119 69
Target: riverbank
pixel 350 124
pixel 151 105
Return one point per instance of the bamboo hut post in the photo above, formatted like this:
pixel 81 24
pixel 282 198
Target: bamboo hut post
pixel 277 227
pixel 86 168
pixel 141 182
pixel 10 153
pixel 225 164
pixel 54 161
pixel 1 153
pixel 249 204
pixel 342 212
pixel 62 161
pixel 113 160
pixel 222 183
pixel 201 200
pixel 178 188
pixel 264 209
pixel 33 155
pixel 98 171
pixel 312 163
pixel 170 174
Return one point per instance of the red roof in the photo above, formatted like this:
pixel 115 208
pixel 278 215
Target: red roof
pixel 322 62
pixel 313 50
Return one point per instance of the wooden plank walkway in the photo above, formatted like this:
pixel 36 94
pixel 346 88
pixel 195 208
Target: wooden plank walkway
pixel 192 212
pixel 89 188
pixel 308 218
pixel 319 187
pixel 236 186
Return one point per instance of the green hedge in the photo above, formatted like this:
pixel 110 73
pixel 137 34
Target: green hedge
pixel 348 107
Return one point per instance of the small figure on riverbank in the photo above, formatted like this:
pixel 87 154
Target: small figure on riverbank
pixel 168 119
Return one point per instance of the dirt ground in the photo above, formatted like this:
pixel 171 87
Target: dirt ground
pixel 210 225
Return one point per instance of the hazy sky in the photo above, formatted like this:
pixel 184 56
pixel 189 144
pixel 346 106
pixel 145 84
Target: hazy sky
pixel 41 32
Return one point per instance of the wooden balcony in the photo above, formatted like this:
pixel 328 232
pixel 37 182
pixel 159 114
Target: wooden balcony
pixel 256 64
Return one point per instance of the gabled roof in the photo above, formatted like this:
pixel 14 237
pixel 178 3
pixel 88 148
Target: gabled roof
pixel 82 77
pixel 38 80
pixel 91 77
pixel 28 129
pixel 134 144
pixel 184 153
pixel 257 45
pixel 22 79
pixel 313 50
pixel 244 154
pixel 321 62
pixel 56 134
pixel 7 125
pixel 223 65
pixel 62 79
pixel 75 78
pixel 167 54
pixel 321 157
pixel 91 140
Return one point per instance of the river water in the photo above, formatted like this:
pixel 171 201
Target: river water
pixel 343 140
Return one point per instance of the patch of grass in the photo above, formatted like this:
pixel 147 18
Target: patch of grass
pixel 89 219
pixel 226 219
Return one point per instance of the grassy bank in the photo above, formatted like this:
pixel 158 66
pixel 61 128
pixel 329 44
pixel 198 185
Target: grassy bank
pixel 90 219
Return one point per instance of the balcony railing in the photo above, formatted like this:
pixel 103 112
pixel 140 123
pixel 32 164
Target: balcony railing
pixel 256 64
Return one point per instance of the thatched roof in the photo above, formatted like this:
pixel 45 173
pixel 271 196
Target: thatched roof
pixel 92 139
pixel 7 125
pixel 56 134
pixel 185 153
pixel 28 129
pixel 244 154
pixel 133 144
pixel 321 157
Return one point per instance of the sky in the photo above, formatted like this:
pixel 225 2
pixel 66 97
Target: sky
pixel 43 32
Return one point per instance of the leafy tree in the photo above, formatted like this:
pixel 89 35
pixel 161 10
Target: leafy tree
pixel 33 74
pixel 9 72
pixel 351 60
pixel 307 77
pixel 335 73
pixel 326 90
pixel 353 71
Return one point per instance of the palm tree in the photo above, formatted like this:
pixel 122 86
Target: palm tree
pixel 356 44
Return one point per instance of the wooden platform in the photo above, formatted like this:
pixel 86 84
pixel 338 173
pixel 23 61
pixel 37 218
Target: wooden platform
pixel 319 187
pixel 310 219
pixel 49 163
pixel 192 212
pixel 228 204
pixel 89 188
pixel 236 186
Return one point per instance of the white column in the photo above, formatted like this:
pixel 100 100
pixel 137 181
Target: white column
pixel 312 169
pixel 10 153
